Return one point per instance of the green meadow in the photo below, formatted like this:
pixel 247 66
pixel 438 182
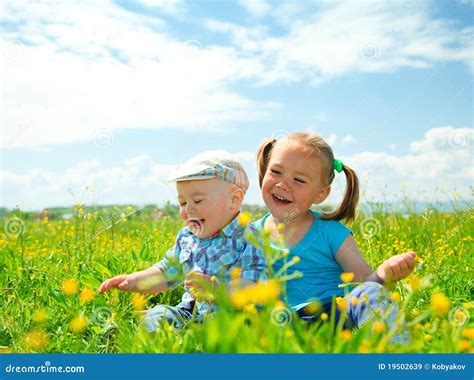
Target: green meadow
pixel 51 268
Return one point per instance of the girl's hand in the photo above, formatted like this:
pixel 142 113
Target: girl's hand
pixel 397 267
pixel 125 282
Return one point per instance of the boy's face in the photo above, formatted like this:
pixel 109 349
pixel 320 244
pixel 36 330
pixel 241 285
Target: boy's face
pixel 206 205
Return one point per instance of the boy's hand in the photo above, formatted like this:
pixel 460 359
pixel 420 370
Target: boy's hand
pixel 198 280
pixel 397 267
pixel 123 282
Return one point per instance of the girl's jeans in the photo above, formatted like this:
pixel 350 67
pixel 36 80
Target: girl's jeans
pixel 372 298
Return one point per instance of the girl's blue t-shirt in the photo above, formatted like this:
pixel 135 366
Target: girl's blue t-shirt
pixel 317 251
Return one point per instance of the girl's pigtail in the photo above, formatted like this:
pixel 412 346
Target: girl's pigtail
pixel 263 157
pixel 347 208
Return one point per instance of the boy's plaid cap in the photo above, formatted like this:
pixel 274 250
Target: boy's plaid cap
pixel 212 164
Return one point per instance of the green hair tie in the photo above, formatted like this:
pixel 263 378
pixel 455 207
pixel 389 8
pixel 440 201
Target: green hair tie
pixel 338 165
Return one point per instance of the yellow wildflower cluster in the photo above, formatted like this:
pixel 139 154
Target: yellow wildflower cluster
pixel 79 324
pixel 341 304
pixel 347 277
pixel 440 303
pixel 37 339
pixel 138 301
pixel 40 316
pixel 70 286
pixel 378 327
pixel 87 295
pixel 261 293
pixel 244 218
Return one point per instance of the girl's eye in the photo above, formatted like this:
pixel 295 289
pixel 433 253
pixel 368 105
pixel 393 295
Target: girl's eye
pixel 182 204
pixel 299 180
pixel 275 171
pixel 198 201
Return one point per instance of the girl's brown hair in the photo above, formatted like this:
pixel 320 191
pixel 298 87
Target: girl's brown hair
pixel 317 145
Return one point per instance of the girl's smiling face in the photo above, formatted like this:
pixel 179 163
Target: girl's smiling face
pixel 293 181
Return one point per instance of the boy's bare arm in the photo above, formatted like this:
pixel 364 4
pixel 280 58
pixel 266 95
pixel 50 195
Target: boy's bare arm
pixel 151 280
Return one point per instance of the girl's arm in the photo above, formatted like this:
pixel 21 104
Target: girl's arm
pixel 395 268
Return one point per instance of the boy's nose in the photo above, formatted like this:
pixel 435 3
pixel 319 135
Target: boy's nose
pixel 189 209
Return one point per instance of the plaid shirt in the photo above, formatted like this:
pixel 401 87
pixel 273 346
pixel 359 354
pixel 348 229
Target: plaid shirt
pixel 214 256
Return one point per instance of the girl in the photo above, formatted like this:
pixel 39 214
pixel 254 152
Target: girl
pixel 296 172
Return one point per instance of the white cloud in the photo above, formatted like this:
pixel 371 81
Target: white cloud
pixel 74 69
pixel 168 6
pixel 348 140
pixel 257 8
pixel 330 40
pixel 431 164
pixel 245 156
pixel 71 71
pixel 443 157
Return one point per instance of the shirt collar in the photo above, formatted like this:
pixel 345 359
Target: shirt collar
pixel 232 228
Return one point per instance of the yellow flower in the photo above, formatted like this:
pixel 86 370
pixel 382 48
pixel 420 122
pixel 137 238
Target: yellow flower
pixel 281 227
pixel 312 308
pixel 414 282
pixel 295 259
pixel 428 338
pixel 235 273
pixel 36 339
pixel 264 341
pixel 70 286
pixel 240 298
pixel 347 277
pixel 341 304
pixel 79 324
pixel 324 317
pixel 260 293
pixel 244 218
pixel 251 309
pixel 213 279
pixel 87 295
pixel 440 303
pixel 266 292
pixel 468 333
pixel 354 301
pixel 346 335
pixel 138 301
pixel 464 345
pixel 378 327
pixel 364 347
pixel 395 296
pixel 460 316
pixel 40 316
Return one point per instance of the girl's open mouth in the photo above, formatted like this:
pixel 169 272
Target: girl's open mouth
pixel 280 200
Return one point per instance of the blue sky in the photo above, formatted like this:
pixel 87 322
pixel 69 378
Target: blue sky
pixel 111 95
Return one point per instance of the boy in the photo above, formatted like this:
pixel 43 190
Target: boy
pixel 211 188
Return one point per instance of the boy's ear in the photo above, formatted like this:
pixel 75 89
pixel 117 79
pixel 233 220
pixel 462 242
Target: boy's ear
pixel 237 198
pixel 323 194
